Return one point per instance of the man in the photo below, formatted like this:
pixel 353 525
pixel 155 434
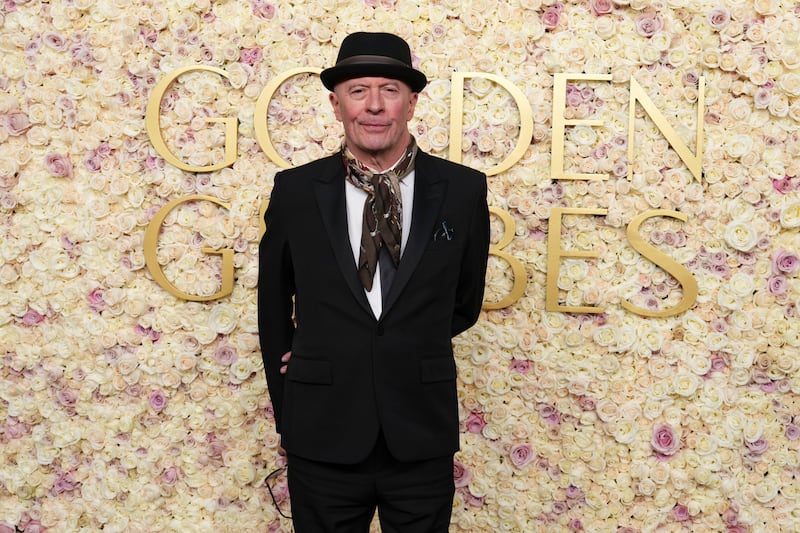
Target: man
pixel 373 259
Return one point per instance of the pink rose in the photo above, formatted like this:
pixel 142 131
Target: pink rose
pixel 574 95
pixel 520 365
pixel 783 185
pixel 65 483
pixel 5 528
pixel 59 165
pixel 94 159
pixel 691 79
pixel 521 455
pixel 792 432
pixel 475 423
pixel 550 17
pixel 785 261
pixel 648 24
pixel 586 403
pixel 225 354
pixel 15 430
pixel 170 476
pixel 549 413
pixel 32 317
pixel 152 334
pixel 731 516
pixel 33 526
pixel 574 493
pixel 575 525
pixel 664 441
pixel 762 97
pixel 777 284
pixel 717 363
pixel 718 17
pixel 602 7
pixel 158 400
pixel 680 512
pixel 757 448
pixel 263 9
pixel 67 397
pixel 95 299
pixel 461 474
pixel 17 123
pixel 473 501
pixel 191 344
pixel 251 56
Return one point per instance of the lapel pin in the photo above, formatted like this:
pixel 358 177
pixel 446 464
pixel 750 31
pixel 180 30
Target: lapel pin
pixel 444 232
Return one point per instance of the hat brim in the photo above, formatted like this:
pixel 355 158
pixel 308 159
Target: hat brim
pixel 413 78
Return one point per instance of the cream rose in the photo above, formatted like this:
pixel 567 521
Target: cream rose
pixel 741 235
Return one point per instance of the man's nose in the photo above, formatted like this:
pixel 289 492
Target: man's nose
pixel 375 101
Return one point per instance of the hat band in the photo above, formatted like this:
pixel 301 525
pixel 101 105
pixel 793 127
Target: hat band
pixel 371 59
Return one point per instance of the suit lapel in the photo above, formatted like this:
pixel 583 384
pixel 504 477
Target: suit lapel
pixel 329 189
pixel 429 190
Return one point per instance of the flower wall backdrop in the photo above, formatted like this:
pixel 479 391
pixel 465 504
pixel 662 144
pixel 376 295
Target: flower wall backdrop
pixel 124 408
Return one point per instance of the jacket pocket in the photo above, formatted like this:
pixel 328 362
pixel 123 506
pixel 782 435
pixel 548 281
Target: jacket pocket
pixel 310 371
pixel 438 369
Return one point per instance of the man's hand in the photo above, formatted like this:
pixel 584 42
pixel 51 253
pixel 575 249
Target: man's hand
pixel 285 359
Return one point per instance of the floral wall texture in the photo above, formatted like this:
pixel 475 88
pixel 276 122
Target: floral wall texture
pixel 125 408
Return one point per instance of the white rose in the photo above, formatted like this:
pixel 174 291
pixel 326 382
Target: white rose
pixel 605 335
pixel 741 235
pixel 790 214
pixel 741 284
pixel 605 27
pixel 790 82
pixel 625 431
pixel 738 145
pixel 584 135
pixel 699 363
pixel 241 370
pixel 766 7
pixel 752 429
pixel 222 319
pixel 766 490
pixel 705 444
pixel 685 384
pixel 607 410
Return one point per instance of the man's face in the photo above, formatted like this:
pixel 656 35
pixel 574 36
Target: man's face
pixel 375 114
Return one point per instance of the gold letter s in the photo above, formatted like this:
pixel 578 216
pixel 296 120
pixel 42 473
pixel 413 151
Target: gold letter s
pixel 655 255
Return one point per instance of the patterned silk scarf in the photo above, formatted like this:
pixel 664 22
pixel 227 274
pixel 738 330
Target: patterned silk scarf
pixel 382 224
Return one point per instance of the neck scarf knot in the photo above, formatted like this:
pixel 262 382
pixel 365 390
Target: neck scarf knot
pixel 382 222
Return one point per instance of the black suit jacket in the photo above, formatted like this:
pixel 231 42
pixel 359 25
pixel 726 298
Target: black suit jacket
pixel 352 374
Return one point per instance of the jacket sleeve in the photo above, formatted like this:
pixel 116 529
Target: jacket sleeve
pixel 275 296
pixel 471 282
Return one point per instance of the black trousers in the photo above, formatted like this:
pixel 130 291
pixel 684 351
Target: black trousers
pixel 414 497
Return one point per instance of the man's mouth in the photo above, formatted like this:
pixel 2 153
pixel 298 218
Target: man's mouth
pixel 374 126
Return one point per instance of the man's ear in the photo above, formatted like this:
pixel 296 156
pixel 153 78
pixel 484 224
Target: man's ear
pixel 412 105
pixel 334 100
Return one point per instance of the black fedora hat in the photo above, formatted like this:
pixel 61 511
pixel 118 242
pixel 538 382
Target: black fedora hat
pixel 374 54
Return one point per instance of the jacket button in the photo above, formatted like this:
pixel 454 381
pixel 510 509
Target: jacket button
pixel 380 331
